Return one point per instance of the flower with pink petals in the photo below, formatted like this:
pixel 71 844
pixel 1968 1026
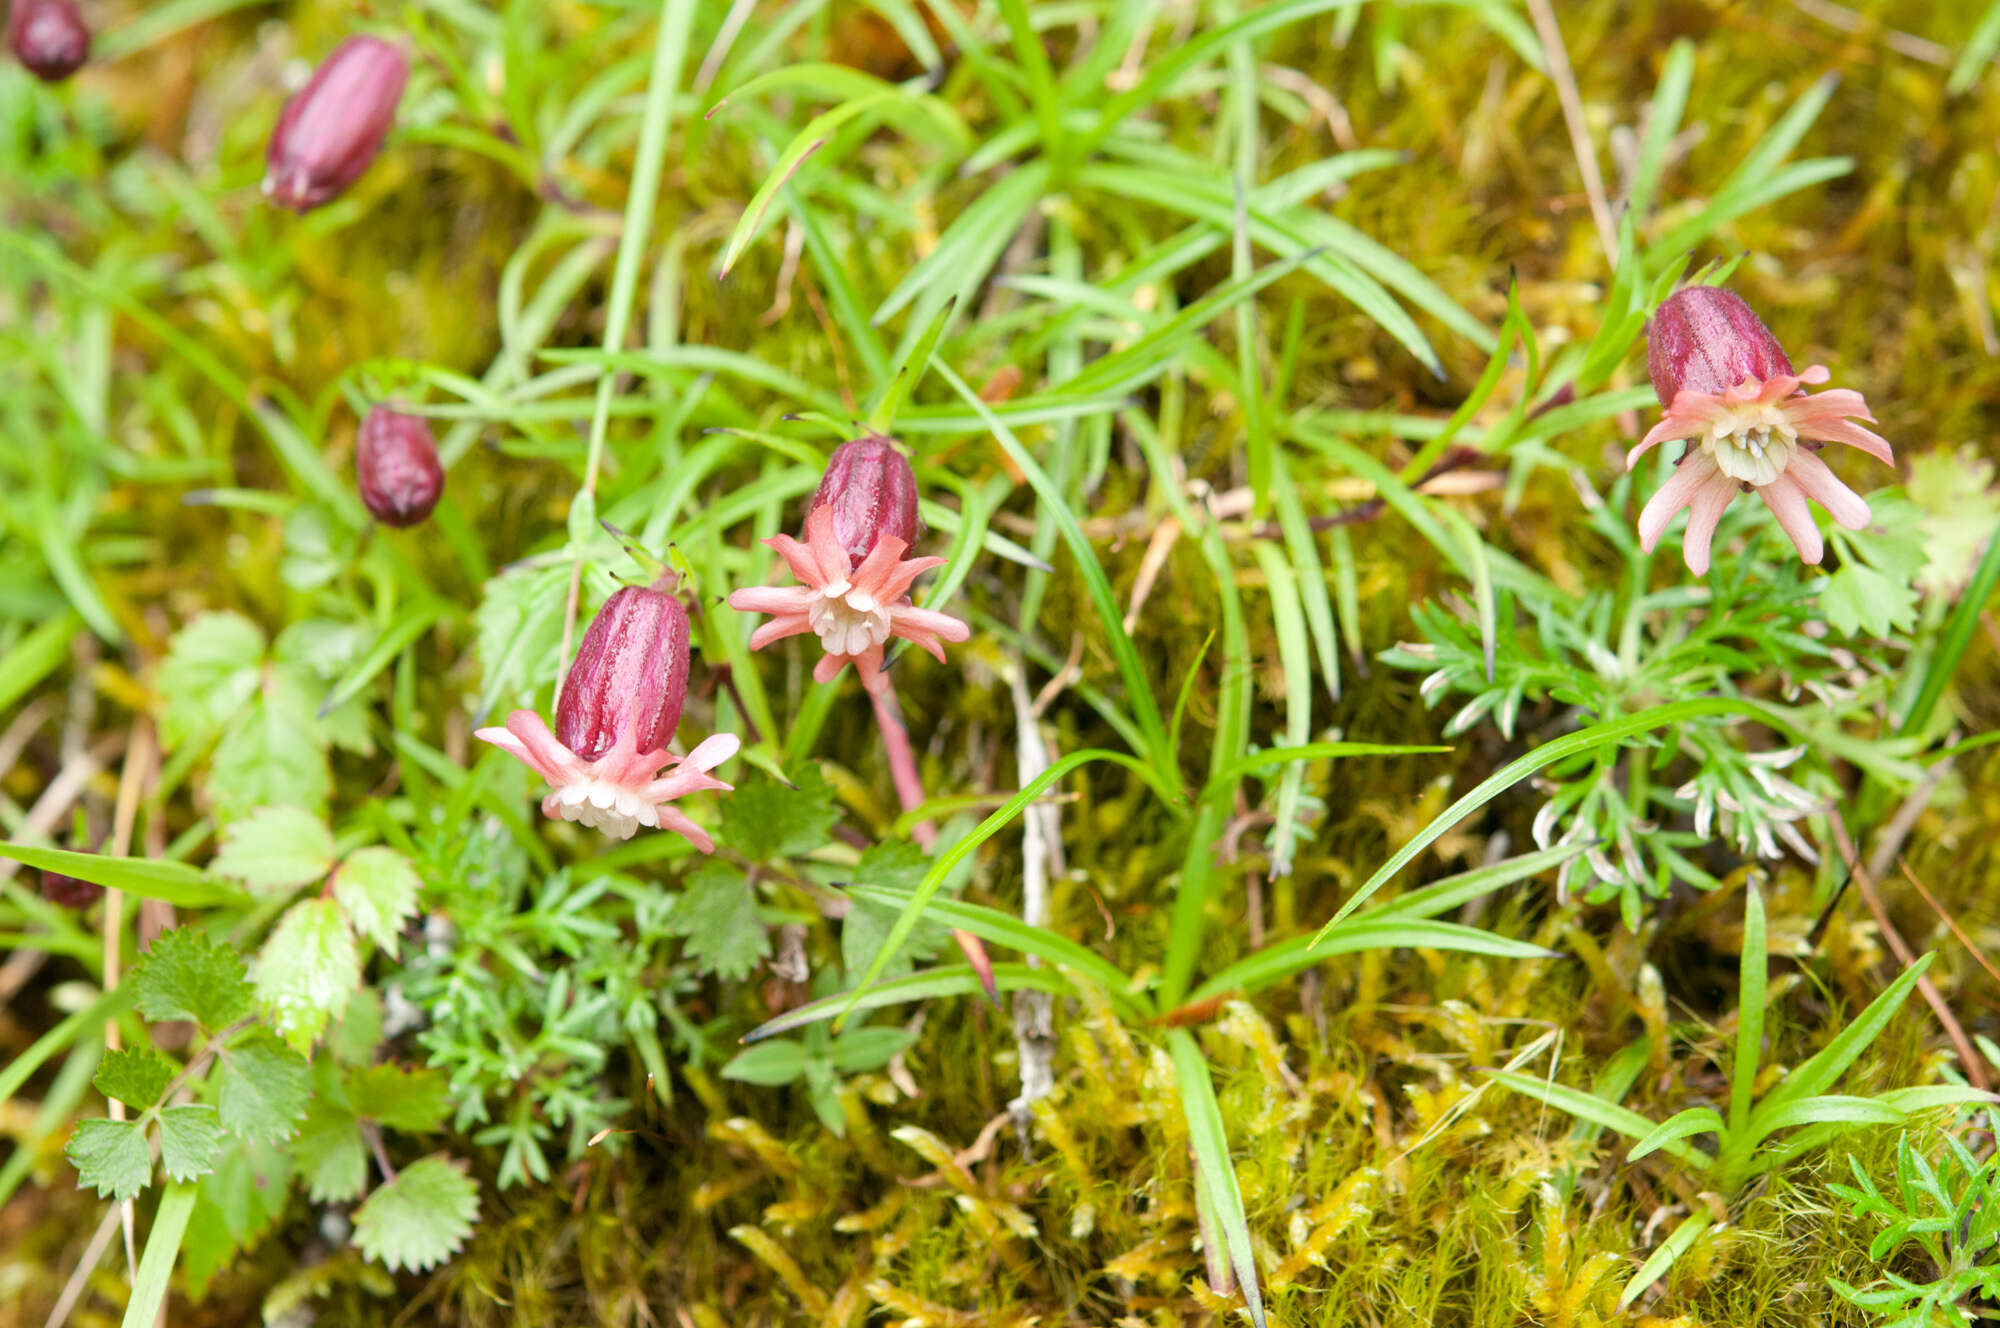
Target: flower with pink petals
pixel 607 764
pixel 1730 390
pixel 854 610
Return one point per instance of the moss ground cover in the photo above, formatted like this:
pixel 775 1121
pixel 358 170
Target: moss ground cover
pixel 1408 897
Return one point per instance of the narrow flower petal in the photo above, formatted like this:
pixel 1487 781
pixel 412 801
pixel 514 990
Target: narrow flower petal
pixel 1704 513
pixel 550 758
pixel 1788 503
pixel 941 625
pixel 1824 487
pixel 1676 493
pixel 791 624
pixel 826 551
pixel 799 557
pixel 879 568
pixel 713 751
pixel 772 599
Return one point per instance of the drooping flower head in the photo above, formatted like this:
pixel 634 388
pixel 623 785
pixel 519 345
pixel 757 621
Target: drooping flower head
pixel 1729 389
pixel 396 467
pixel 48 37
pixel 607 762
pixel 853 589
pixel 332 127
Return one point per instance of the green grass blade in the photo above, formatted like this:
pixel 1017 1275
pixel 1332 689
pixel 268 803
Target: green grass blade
pixel 176 883
pixel 1680 1125
pixel 1953 641
pixel 1467 886
pixel 1663 121
pixel 1978 52
pixel 1750 1000
pixel 1274 963
pixel 83 1024
pixel 929 985
pixel 990 924
pixel 1826 1066
pixel 1548 754
pixel 1213 1171
pixel 1145 708
pixel 1590 1107
pixel 35 656
pixel 163 1247
pixel 941 866
pixel 1663 1258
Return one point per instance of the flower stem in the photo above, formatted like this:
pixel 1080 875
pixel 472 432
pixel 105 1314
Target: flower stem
pixel 910 792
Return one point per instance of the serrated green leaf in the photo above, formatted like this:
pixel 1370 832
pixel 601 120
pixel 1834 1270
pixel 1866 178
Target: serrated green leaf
pixel 265 1088
pixel 899 865
pixel 190 1138
pixel 186 975
pixel 209 675
pixel 763 819
pixel 111 1157
pixel 1858 600
pixel 276 849
pixel 271 753
pixel 237 1204
pixel 415 1101
pixel 135 1076
pixel 419 1219
pixel 329 1153
pixel 307 971
pixel 717 912
pixel 378 888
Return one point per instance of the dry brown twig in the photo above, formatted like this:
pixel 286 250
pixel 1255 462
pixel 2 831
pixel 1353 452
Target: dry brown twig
pixel 1969 1058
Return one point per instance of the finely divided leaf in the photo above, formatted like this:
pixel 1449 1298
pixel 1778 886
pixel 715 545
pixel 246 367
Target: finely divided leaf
pixel 378 888
pixel 419 1219
pixel 185 975
pixel 190 1137
pixel 110 1156
pixel 276 849
pixel 135 1076
pixel 264 1088
pixel 307 970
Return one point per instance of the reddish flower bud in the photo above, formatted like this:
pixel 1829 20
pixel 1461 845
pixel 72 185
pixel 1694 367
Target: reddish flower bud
pixel 873 492
pixel 332 128
pixel 1705 339
pixel 48 36
pixel 629 677
pixel 68 892
pixel 396 465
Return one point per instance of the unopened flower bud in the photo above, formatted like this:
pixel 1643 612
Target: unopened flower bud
pixel 49 37
pixel 1706 339
pixel 872 491
pixel 332 128
pixel 396 465
pixel 629 676
pixel 68 892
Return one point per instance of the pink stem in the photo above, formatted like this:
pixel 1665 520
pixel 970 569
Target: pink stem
pixel 910 792
pixel 902 763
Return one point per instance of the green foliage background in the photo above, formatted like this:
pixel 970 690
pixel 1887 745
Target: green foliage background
pixel 1384 1180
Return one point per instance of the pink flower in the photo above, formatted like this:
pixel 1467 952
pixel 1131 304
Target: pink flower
pixel 853 610
pixel 607 765
pixel 1730 389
